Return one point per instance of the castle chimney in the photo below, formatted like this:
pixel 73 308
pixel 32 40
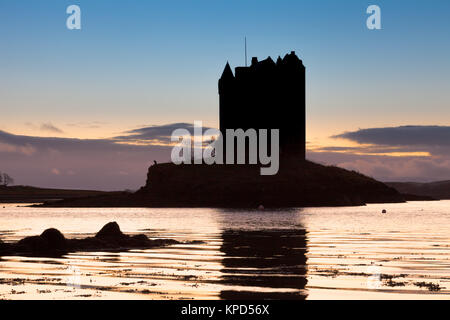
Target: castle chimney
pixel 293 52
pixel 254 61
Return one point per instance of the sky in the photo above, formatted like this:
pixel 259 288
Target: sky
pixel 139 67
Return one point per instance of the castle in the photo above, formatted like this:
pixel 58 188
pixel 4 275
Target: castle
pixel 266 95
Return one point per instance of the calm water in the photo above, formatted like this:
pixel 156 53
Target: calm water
pixel 314 253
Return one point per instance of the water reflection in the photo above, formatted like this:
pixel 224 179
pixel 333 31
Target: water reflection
pixel 346 247
pixel 264 264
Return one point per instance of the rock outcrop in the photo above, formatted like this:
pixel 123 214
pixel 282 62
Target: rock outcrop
pixel 51 240
pixel 111 231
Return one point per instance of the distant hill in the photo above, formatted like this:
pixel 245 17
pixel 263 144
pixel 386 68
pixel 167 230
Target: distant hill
pixel 297 184
pixel 437 190
pixel 27 194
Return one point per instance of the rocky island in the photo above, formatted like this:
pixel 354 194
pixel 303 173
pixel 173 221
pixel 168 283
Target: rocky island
pixel 297 184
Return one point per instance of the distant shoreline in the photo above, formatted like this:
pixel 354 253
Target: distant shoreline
pixel 28 194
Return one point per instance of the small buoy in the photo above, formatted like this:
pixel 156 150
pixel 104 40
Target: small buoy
pixel 261 207
pixel 384 211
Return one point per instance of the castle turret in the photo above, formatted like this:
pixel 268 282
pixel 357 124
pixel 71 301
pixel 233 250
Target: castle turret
pixel 227 76
pixel 227 97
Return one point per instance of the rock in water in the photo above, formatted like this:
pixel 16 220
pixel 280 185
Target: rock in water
pixel 52 243
pixel 3 246
pixel 55 239
pixel 34 244
pixel 140 237
pixel 110 231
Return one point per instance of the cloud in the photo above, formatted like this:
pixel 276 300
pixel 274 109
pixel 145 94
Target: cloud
pixel 401 136
pixel 115 163
pixel 50 127
pixel 410 169
pixel 405 153
pixel 87 125
pixel 388 168
pixel 119 163
pixel 155 134
pixel 81 163
pixel 22 149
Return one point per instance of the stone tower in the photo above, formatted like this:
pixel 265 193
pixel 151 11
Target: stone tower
pixel 267 95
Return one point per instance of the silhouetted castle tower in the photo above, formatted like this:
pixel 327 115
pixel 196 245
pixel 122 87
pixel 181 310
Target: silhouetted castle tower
pixel 267 95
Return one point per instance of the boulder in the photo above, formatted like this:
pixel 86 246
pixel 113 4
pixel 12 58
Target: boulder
pixel 111 231
pixel 52 243
pixel 55 239
pixel 32 244
pixel 4 248
pixel 140 237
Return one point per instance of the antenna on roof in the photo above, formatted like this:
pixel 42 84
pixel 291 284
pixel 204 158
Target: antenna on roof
pixel 245 40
